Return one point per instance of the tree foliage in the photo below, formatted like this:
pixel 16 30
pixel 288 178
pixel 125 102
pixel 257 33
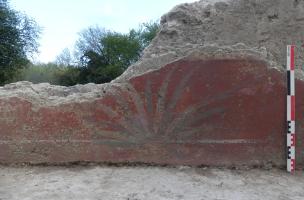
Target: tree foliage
pixel 65 58
pixel 147 32
pixel 18 40
pixel 99 56
pixel 103 55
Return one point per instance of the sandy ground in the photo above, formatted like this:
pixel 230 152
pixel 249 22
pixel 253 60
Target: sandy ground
pixel 147 183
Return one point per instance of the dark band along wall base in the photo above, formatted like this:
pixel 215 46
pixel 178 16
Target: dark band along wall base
pixel 290 109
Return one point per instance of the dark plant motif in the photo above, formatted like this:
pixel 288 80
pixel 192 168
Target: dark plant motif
pixel 153 107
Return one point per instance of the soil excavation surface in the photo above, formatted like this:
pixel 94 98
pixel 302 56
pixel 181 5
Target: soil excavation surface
pixel 148 183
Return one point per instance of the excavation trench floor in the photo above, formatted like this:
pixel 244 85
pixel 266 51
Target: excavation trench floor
pixel 147 183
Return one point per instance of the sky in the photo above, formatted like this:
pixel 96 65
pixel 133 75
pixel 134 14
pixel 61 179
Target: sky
pixel 62 20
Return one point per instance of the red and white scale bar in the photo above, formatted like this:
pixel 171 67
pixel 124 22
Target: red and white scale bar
pixel 291 135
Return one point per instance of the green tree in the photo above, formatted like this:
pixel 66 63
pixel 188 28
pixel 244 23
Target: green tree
pixel 147 32
pixel 18 40
pixel 68 76
pixel 120 50
pixel 40 73
pixel 64 58
pixel 103 55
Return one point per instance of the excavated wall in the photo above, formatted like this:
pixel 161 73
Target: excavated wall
pixel 209 90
